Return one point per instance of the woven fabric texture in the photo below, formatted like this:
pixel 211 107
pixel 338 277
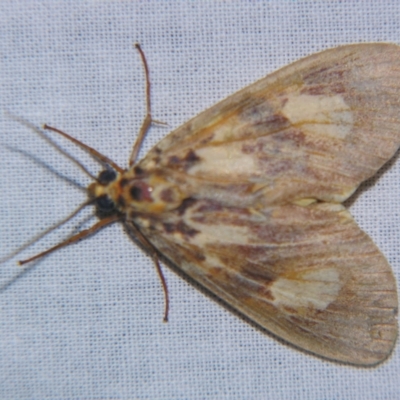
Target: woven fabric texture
pixel 86 322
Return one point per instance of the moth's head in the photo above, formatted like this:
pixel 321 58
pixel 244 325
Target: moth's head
pixel 104 193
pixel 134 191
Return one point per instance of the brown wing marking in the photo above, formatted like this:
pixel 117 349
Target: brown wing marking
pixel 307 274
pixel 314 129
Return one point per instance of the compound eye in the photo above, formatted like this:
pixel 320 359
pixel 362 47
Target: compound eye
pixel 106 176
pixel 105 204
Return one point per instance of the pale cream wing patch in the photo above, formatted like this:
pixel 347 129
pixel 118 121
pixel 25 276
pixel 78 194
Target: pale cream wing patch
pixel 314 129
pixel 315 289
pixel 307 274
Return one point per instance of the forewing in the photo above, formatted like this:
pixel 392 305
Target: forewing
pixel 309 275
pixel 314 129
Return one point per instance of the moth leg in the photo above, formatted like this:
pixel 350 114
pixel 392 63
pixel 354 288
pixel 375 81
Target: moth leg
pixel 147 119
pixel 94 153
pixel 164 285
pixel 153 253
pixel 76 238
pixel 43 234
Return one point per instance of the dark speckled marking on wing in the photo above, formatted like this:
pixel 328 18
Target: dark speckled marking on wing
pixel 261 177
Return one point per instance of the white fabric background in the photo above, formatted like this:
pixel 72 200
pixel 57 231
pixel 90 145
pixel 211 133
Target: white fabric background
pixel 86 322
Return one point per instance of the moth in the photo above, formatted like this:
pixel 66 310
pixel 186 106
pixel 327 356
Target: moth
pixel 247 199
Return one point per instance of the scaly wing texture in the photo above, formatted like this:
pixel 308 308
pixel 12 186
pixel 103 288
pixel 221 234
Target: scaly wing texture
pixel 316 128
pixel 307 274
pixel 263 173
